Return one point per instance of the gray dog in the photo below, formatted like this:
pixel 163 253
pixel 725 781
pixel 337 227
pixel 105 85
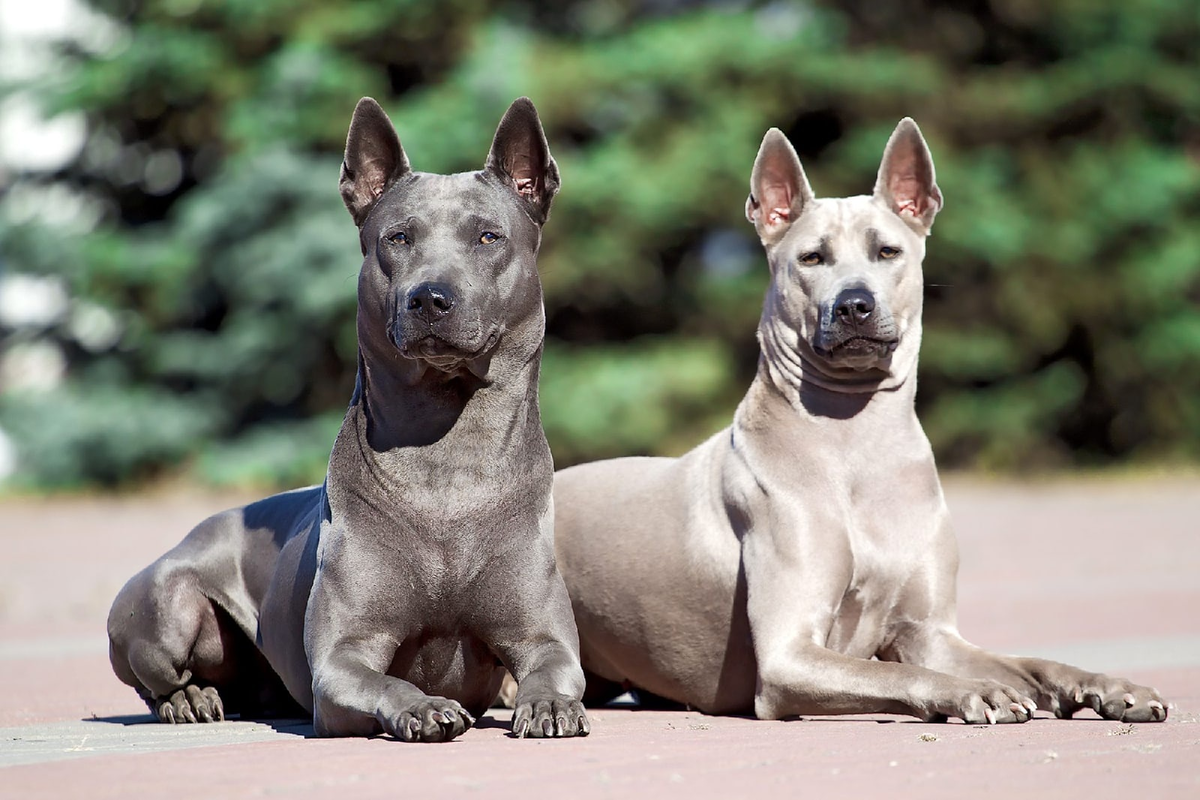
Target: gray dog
pixel 392 597
pixel 802 560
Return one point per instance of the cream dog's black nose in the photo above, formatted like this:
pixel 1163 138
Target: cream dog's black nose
pixel 854 305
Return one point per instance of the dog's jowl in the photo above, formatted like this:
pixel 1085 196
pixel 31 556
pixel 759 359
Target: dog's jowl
pixel 802 560
pixel 392 597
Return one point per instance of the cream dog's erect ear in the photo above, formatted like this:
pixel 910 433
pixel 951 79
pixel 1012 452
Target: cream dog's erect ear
pixel 907 183
pixel 779 189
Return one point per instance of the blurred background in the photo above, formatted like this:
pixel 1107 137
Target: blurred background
pixel 177 271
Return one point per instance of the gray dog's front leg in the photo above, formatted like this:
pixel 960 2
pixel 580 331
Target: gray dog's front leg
pixel 352 699
pixel 538 642
pixel 549 695
pixel 349 653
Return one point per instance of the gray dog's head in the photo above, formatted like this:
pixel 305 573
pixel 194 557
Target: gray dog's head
pixel 846 284
pixel 449 276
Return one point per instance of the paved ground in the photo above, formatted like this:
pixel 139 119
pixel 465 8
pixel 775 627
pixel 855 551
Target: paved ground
pixel 1101 573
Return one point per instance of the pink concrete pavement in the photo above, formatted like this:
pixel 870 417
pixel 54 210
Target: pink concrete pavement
pixel 1100 570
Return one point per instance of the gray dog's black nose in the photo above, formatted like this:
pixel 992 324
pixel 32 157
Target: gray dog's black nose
pixel 854 305
pixel 430 301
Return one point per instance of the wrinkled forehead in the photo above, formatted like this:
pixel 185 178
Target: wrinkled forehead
pixel 838 224
pixel 434 199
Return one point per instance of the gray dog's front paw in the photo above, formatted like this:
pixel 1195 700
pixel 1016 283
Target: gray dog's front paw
pixel 1111 698
pixel 556 716
pixel 190 704
pixel 432 719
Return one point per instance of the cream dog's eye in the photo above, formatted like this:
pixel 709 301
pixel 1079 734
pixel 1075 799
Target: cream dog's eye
pixel 889 252
pixel 811 259
pixel 487 237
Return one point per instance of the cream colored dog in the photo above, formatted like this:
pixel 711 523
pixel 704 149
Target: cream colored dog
pixel 802 560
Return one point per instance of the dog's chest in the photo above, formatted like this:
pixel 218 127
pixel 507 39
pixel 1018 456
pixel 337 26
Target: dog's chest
pixel 860 620
pixel 888 536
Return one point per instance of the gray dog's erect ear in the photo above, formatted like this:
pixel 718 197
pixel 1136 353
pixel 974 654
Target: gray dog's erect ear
pixel 374 159
pixel 779 189
pixel 906 183
pixel 521 157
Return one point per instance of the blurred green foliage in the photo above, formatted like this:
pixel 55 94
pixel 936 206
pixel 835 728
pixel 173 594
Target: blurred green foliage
pixel 1063 276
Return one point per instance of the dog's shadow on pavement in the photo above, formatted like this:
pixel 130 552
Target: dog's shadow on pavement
pixel 293 727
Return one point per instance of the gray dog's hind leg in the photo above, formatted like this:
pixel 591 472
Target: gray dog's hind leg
pixel 168 641
pixel 188 656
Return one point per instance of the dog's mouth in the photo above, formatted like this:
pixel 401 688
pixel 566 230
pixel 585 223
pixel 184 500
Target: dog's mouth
pixel 857 352
pixel 857 345
pixel 442 353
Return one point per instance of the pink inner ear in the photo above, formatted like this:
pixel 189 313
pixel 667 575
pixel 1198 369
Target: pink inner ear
pixel 777 199
pixel 520 168
pixel 375 176
pixel 907 196
pixel 526 186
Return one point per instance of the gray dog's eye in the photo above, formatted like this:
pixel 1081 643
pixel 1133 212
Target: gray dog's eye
pixel 889 252
pixel 487 237
pixel 399 237
pixel 811 259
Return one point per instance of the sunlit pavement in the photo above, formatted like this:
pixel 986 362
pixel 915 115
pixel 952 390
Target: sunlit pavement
pixel 1104 573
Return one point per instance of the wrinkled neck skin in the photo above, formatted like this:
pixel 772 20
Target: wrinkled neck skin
pixel 790 371
pixel 488 404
